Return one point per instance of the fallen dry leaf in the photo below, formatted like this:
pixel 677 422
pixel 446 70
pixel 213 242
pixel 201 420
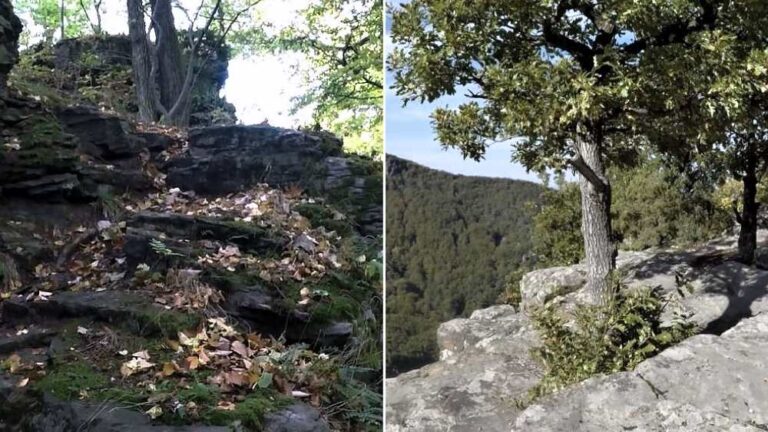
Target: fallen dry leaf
pixel 134 365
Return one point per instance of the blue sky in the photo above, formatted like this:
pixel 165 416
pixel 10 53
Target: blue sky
pixel 409 135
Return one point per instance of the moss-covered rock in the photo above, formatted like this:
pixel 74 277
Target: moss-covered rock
pixel 10 29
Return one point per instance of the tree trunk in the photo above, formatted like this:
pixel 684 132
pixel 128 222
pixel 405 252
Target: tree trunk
pixel 171 70
pixel 61 18
pixel 596 223
pixel 750 207
pixel 140 57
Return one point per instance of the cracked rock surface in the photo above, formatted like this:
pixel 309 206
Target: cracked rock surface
pixel 706 383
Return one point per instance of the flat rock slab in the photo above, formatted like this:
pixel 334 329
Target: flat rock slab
pixel 484 369
pixel 296 418
pixel 704 286
pixel 260 309
pixel 706 383
pixel 131 309
pixel 32 338
pixel 227 159
pixel 250 237
pixel 75 416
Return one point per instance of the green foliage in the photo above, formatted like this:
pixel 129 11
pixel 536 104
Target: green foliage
pixel 557 227
pixel 321 215
pixel 512 294
pixel 363 406
pixel 68 381
pixel 451 243
pixel 538 79
pixel 87 78
pixel 161 249
pixel 655 206
pixel 603 340
pixel 728 196
pixel 652 206
pixel 47 14
pixel 109 205
pixel 342 42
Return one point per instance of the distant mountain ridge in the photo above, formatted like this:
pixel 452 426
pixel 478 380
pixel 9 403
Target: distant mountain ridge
pixel 452 240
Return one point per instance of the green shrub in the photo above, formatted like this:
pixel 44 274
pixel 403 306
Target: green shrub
pixel 512 295
pixel 606 339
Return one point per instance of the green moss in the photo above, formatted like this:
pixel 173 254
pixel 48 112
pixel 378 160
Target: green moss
pixel 199 393
pixel 43 146
pixel 70 380
pixel 320 215
pixel 167 323
pixel 227 280
pixel 250 412
pixel 345 294
pixel 42 129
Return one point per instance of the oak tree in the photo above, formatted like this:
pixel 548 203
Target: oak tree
pixel 559 77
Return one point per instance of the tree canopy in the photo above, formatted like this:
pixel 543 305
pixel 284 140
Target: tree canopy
pixel 342 43
pixel 582 83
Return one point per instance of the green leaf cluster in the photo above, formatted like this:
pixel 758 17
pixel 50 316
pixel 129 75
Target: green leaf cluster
pixel 47 14
pixel 653 205
pixel 601 340
pixel 342 41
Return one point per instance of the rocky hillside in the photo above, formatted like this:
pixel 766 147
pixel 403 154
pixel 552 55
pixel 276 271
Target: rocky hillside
pixel 709 382
pixel 171 281
pixel 452 241
pixel 96 70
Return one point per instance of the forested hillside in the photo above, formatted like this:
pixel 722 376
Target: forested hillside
pixel 451 243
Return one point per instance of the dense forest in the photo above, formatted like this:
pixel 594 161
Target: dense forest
pixel 451 242
pixel 456 244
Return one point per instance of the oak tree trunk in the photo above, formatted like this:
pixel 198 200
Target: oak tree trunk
pixel 596 223
pixel 750 207
pixel 171 70
pixel 141 62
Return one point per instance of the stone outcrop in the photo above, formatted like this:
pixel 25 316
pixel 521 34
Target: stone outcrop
pixel 93 61
pixel 225 159
pixel 260 308
pixel 484 367
pixel 705 285
pixel 10 29
pixel 71 155
pixel 95 244
pixel 54 174
pixel 706 383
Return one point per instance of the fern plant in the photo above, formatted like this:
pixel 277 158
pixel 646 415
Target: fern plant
pixel 161 249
